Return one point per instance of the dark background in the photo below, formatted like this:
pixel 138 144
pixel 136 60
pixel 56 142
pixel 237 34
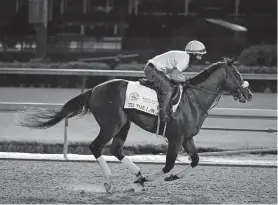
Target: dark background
pixel 98 28
pixel 75 30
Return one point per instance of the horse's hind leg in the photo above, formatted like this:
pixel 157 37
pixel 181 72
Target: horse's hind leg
pixel 107 132
pixel 117 149
pixel 96 148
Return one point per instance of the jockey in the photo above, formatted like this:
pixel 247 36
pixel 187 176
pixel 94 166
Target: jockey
pixel 167 67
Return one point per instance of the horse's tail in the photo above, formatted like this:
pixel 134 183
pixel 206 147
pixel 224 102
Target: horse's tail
pixel 45 118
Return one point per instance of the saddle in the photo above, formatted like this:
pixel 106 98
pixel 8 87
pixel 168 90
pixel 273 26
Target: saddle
pixel 176 94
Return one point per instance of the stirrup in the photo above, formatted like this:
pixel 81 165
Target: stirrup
pixel 157 128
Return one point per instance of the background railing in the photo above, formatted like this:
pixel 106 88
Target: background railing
pixel 110 73
pixel 115 73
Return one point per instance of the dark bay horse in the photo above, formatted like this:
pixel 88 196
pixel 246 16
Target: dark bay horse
pixel 106 103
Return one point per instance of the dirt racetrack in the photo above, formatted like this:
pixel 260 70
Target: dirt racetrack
pixel 78 182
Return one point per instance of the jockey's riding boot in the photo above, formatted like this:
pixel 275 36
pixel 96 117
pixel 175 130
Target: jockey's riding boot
pixel 165 103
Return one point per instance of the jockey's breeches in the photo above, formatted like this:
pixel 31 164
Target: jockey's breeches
pixel 164 89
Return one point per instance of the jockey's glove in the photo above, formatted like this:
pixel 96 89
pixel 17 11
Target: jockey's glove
pixel 177 76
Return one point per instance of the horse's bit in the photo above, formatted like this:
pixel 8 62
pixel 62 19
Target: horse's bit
pixel 240 87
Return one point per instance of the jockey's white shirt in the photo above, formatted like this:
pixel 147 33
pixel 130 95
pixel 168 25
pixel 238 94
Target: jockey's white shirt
pixel 169 60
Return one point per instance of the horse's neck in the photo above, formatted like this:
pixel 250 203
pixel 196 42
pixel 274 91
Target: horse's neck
pixel 213 85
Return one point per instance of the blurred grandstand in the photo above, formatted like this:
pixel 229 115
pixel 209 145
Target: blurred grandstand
pixel 94 28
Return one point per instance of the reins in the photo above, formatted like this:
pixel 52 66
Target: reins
pixel 201 89
pixel 217 94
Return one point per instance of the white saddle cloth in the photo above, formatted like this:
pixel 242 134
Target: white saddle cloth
pixel 143 98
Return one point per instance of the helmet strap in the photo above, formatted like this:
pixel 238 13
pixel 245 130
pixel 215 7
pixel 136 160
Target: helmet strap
pixel 191 59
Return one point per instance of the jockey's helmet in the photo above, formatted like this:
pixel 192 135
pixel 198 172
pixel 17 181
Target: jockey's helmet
pixel 195 47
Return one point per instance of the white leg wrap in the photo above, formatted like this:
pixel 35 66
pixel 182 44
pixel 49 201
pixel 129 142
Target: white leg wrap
pixel 130 165
pixel 103 165
pixel 185 172
pixel 155 175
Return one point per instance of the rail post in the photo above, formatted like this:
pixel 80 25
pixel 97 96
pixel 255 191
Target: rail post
pixel 66 138
pixel 83 83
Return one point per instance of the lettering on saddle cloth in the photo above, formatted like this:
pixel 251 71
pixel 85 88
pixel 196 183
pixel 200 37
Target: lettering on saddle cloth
pixel 142 96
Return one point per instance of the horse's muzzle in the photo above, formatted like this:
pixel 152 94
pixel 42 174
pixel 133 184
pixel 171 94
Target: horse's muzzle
pixel 243 95
pixel 247 94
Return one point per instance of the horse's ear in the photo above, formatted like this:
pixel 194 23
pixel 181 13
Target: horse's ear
pixel 232 60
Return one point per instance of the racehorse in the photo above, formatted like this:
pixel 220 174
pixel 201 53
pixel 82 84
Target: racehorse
pixel 106 100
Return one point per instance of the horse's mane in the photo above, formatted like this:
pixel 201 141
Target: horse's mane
pixel 203 75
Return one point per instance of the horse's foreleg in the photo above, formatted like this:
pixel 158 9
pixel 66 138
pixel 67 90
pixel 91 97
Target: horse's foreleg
pixel 190 148
pixel 171 156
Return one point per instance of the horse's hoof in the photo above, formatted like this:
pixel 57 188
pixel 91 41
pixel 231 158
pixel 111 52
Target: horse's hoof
pixel 107 186
pixel 171 178
pixel 140 181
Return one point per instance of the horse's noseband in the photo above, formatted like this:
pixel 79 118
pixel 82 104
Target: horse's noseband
pixel 238 94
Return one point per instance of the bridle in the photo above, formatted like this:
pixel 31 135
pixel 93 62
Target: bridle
pixel 218 95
